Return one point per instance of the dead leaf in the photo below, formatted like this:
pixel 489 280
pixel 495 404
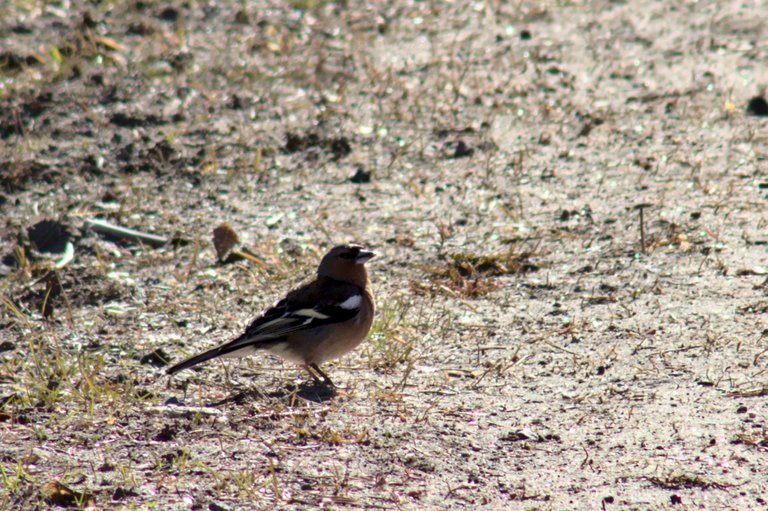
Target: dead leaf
pixel 59 495
pixel 224 240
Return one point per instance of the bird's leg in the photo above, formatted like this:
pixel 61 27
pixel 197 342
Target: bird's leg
pixel 312 373
pixel 319 371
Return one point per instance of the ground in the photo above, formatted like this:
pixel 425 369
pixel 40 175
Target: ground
pixel 567 200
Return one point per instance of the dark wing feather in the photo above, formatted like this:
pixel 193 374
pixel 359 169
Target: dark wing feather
pixel 310 306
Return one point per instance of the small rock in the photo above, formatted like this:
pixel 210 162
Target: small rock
pixel 361 176
pixel 122 494
pixel 462 150
pixel 758 106
pixel 49 236
pixel 420 463
pixel 242 18
pixel 340 147
pixel 166 434
pixel 169 14
pixel 157 358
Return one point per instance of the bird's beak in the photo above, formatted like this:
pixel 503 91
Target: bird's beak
pixel 364 256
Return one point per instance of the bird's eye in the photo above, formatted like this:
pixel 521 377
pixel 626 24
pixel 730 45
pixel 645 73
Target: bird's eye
pixel 347 255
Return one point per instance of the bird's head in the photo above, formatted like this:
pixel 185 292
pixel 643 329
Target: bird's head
pixel 346 263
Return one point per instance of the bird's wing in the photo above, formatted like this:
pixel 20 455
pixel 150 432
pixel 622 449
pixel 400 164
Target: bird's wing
pixel 321 302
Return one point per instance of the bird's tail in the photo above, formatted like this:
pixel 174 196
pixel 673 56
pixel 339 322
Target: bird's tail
pixel 227 350
pixel 193 361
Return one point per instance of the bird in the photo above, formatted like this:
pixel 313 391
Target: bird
pixel 318 321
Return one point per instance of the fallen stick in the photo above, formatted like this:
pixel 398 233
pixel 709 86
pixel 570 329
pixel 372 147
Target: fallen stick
pixel 104 227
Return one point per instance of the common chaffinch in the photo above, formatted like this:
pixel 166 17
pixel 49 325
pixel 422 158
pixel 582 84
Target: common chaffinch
pixel 318 321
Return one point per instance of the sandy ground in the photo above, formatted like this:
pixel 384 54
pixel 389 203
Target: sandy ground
pixel 534 347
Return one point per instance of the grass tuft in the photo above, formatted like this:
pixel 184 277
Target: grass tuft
pixel 473 275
